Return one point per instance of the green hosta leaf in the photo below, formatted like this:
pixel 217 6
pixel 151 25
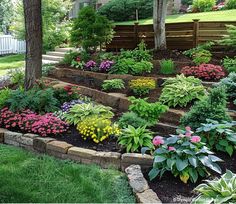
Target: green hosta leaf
pixel 144 149
pixel 158 159
pixel 171 140
pixel 206 161
pixel 231 138
pixel 224 143
pixel 201 199
pixel 170 163
pixel 229 149
pixel 181 164
pixel 215 158
pixel 153 173
pixel 193 161
pixel 193 174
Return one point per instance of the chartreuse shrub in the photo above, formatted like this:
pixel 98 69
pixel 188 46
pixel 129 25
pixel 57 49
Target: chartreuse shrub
pixel 151 112
pixel 133 139
pixel 220 190
pixel 79 112
pixel 113 84
pixel 4 95
pixel 142 86
pixel 185 156
pixel 132 119
pixel 97 128
pixel 212 106
pixel 181 90
pixel 218 136
pixel 167 67
pixel 203 5
pixel 229 64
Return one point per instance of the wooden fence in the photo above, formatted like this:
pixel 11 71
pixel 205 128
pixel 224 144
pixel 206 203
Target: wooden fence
pixel 180 36
pixel 10 45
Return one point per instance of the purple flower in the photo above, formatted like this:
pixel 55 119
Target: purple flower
pixel 105 65
pixel 90 65
pixel 68 105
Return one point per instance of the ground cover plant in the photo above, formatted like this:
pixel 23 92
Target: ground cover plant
pixel 229 64
pixel 142 86
pixel 26 177
pixel 167 67
pixel 113 84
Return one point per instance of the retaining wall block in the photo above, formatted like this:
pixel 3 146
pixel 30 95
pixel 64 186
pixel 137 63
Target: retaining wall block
pixel 40 143
pixel 2 131
pixel 12 138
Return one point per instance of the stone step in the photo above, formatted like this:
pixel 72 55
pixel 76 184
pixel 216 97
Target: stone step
pixel 59 54
pixel 49 62
pixel 66 49
pixel 165 129
pixel 52 58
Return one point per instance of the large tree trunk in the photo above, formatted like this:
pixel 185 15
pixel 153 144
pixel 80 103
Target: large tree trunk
pixel 159 17
pixel 33 28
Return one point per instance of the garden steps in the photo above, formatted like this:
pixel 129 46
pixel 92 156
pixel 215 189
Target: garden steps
pixel 52 58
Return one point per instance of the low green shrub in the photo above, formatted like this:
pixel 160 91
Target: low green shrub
pixel 46 69
pixel 229 39
pixel 113 84
pixel 133 139
pixel 167 67
pixel 69 57
pixel 132 119
pixel 231 4
pixel 4 95
pixel 212 106
pixel 141 67
pixel 202 57
pixel 203 5
pixel 142 86
pixel 219 190
pixel 16 76
pixel 218 136
pixel 151 112
pixel 123 66
pixel 230 64
pixel 181 90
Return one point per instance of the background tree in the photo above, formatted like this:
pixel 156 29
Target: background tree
pixel 159 17
pixel 6 15
pixel 91 29
pixel 33 36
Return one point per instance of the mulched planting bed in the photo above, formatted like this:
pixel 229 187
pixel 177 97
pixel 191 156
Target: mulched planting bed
pixel 171 190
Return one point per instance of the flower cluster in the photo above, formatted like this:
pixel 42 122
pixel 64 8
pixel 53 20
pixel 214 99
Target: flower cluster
pixel 98 129
pixel 204 71
pixel 70 89
pixel 142 86
pixel 90 65
pixel 78 59
pixel 68 105
pixel 31 122
pixel 105 65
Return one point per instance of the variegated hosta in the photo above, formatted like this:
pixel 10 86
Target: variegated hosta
pixel 218 191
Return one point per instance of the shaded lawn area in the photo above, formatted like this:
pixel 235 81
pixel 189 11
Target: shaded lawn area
pixel 26 177
pixel 11 62
pixel 227 15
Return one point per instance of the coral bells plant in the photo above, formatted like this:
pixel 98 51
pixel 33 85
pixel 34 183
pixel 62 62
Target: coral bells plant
pixel 90 65
pixel 184 155
pixel 204 71
pixel 106 65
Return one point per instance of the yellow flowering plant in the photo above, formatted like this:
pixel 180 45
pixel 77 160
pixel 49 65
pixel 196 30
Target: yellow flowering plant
pixel 97 128
pixel 142 86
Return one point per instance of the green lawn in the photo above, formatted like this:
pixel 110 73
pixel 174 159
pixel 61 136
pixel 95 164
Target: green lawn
pixel 11 62
pixel 227 15
pixel 25 177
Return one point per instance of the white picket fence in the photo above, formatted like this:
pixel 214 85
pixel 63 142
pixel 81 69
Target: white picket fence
pixel 10 45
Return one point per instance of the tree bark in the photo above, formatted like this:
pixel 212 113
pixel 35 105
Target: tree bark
pixel 159 17
pixel 33 28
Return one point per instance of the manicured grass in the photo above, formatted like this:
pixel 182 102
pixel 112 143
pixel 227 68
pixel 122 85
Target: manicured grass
pixel 227 15
pixel 11 61
pixel 25 177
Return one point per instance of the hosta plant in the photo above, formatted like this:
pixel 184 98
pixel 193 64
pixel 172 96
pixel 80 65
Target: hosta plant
pixel 97 128
pixel 81 111
pixel 184 156
pixel 220 190
pixel 113 84
pixel 142 86
pixel 133 139
pixel 219 136
pixel 180 91
pixel 151 112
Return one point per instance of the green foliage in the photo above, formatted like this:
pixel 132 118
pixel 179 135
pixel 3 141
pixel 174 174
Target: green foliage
pixel 123 66
pixel 167 67
pixel 141 68
pixel 220 190
pixel 204 5
pixel 56 27
pixel 63 95
pixel 219 136
pixel 229 64
pixel 229 83
pixel 181 90
pixel 132 119
pixel 212 107
pixel 81 111
pixel 135 138
pixel 229 39
pixel 124 10
pixel 142 86
pixel 69 57
pixel 113 84
pixel 184 156
pixel 148 111
pixel 91 29
pixel 202 57
pixel 187 2
pixel 199 48
pixel 77 65
pixel 17 76
pixel 7 14
pixel 4 95
pixel 231 4
pixel 46 69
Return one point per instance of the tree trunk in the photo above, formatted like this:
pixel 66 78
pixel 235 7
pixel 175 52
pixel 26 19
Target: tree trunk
pixel 33 28
pixel 159 17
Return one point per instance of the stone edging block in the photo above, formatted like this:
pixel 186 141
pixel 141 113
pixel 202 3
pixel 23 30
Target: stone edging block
pixel 140 186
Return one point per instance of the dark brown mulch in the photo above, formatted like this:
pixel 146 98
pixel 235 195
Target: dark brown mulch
pixel 171 54
pixel 171 190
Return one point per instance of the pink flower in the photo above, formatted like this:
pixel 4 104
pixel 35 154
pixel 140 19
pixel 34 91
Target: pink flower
pixel 171 149
pixel 188 134
pixel 158 140
pixel 188 129
pixel 181 135
pixel 195 139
